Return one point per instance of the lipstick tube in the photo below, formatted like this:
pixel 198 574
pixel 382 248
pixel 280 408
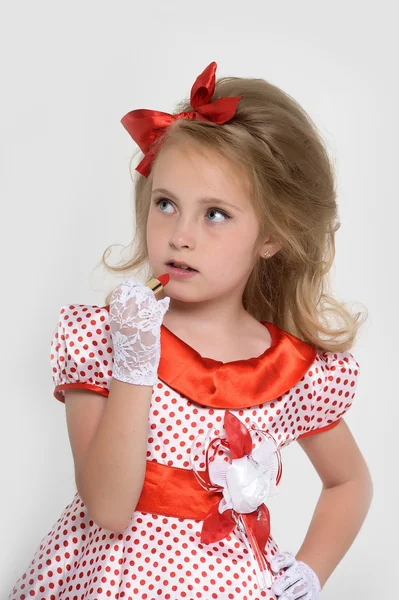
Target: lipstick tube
pixel 157 284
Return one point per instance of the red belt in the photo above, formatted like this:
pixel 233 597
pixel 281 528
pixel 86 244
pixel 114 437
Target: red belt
pixel 174 492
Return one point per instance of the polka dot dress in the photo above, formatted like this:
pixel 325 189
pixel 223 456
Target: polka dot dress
pixel 157 556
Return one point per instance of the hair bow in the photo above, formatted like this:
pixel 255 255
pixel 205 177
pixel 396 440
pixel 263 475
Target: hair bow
pixel 147 126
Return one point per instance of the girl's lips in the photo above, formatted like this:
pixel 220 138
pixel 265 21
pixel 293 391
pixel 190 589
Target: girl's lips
pixel 177 273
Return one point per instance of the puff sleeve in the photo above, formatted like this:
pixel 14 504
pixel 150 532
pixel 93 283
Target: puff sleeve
pixel 334 378
pixel 81 350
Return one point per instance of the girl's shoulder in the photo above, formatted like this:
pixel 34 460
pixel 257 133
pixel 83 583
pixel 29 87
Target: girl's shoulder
pixel 81 349
pixel 328 389
pixel 338 370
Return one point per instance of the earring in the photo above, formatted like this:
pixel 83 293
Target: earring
pixel 267 254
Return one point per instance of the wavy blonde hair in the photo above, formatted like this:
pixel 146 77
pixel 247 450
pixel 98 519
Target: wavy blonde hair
pixel 294 194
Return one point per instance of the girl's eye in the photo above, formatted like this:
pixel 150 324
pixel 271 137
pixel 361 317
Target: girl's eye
pixel 210 211
pixel 161 201
pixel 217 210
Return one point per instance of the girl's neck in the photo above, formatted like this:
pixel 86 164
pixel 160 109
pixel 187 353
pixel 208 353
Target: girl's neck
pixel 205 322
pixel 225 340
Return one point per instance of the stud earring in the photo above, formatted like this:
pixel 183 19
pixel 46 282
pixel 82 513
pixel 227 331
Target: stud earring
pixel 267 254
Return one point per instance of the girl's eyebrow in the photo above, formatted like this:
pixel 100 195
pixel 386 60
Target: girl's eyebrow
pixel 207 200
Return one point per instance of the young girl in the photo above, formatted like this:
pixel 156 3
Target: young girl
pixel 179 404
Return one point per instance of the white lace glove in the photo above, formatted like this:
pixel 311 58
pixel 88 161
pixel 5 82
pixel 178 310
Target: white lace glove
pixel 135 320
pixel 298 581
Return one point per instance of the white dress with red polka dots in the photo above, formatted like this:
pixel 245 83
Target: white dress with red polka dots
pixel 161 557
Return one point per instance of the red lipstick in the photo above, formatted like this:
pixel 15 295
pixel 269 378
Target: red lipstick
pixel 158 283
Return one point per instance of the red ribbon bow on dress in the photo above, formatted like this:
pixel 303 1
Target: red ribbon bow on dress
pixel 245 475
pixel 147 126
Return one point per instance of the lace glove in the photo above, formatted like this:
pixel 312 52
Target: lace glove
pixel 298 581
pixel 135 321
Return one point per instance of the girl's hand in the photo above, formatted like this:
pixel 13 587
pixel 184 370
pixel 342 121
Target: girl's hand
pixel 135 320
pixel 298 580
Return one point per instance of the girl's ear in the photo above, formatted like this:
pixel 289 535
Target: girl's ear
pixel 269 248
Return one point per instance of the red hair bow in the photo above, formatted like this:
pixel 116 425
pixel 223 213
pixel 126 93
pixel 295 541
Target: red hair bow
pixel 147 126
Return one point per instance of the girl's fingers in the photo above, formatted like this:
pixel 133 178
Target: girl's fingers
pixel 291 595
pixel 291 576
pixel 282 560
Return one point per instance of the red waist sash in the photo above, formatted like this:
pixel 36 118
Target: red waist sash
pixel 174 492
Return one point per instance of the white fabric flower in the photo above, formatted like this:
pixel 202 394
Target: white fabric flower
pixel 247 486
pixel 248 481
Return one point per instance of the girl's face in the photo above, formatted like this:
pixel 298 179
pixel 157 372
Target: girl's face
pixel 201 214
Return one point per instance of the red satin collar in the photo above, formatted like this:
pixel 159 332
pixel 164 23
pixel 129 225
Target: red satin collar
pixel 236 384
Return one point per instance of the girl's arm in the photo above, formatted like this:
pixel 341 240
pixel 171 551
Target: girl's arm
pixel 109 450
pixel 110 473
pixel 344 501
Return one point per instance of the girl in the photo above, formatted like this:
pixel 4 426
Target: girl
pixel 178 405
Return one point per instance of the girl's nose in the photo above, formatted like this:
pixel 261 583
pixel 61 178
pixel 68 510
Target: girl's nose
pixel 183 236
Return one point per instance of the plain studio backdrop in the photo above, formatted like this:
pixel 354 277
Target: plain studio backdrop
pixel 69 72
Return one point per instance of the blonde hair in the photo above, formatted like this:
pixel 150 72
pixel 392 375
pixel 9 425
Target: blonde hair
pixel 293 192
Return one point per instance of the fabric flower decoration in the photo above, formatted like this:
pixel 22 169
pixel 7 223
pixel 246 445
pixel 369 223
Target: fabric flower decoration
pixel 245 467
